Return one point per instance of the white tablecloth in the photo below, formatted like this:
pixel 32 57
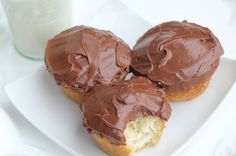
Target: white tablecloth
pixel 217 138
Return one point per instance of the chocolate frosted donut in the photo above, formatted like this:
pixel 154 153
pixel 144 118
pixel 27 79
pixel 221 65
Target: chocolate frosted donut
pixel 108 109
pixel 179 56
pixel 81 57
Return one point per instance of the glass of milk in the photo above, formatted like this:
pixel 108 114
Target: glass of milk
pixel 33 22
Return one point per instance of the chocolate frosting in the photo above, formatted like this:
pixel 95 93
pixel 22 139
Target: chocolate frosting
pixel 177 55
pixel 108 108
pixel 83 56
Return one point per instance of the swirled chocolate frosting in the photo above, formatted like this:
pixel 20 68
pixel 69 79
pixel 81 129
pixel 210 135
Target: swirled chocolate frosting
pixel 177 55
pixel 108 108
pixel 83 56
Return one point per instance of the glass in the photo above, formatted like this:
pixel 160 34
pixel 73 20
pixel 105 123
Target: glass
pixel 33 22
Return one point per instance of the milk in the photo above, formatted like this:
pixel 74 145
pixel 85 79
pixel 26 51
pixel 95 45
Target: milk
pixel 33 22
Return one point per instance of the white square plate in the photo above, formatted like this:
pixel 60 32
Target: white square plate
pixel 41 101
